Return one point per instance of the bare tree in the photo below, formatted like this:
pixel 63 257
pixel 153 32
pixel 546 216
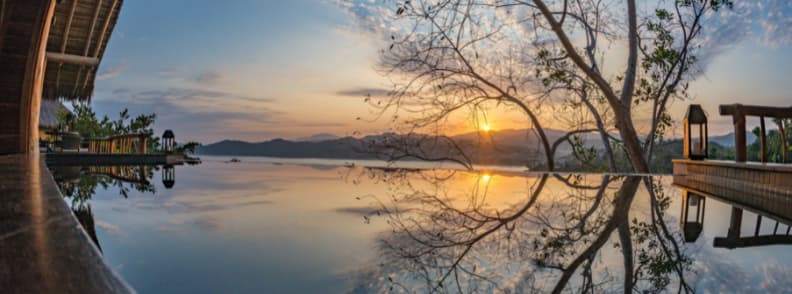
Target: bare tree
pixel 547 59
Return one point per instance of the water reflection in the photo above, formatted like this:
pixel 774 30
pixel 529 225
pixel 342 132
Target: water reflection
pixel 779 235
pixel 78 184
pixel 537 241
pixel 587 236
pixel 289 228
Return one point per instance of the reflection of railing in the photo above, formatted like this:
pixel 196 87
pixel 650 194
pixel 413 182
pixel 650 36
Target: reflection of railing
pixel 121 144
pixel 739 112
pixel 693 205
pixel 133 174
pixel 734 239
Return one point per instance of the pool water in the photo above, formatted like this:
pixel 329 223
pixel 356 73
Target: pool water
pixel 316 227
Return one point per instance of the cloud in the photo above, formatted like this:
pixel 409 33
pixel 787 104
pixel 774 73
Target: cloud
pixel 110 228
pixel 361 92
pixel 111 72
pixel 766 21
pixel 206 78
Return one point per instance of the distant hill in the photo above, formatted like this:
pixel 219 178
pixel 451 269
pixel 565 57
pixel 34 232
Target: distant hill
pixel 511 147
pixel 728 139
pixel 503 147
pixel 318 138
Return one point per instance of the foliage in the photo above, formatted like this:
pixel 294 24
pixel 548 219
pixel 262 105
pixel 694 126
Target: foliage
pixel 83 120
pixel 188 148
pixel 546 60
pixel 774 147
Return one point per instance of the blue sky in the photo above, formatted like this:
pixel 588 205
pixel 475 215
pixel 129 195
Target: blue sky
pixel 256 70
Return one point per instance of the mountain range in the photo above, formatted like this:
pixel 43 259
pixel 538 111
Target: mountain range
pixel 504 147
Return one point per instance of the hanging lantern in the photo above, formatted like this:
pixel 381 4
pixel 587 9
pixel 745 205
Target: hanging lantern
pixel 695 141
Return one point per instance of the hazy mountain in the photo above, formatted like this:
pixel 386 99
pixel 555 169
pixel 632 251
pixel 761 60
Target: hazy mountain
pixel 317 138
pixel 728 139
pixel 511 147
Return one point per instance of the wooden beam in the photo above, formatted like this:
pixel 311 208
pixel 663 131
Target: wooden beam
pixel 104 28
pixel 71 58
pixel 92 28
pixel 68 26
pixel 752 110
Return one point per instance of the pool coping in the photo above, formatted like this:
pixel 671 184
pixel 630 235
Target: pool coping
pixel 43 247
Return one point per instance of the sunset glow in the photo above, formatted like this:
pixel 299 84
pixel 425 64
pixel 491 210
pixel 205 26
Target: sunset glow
pixel 485 128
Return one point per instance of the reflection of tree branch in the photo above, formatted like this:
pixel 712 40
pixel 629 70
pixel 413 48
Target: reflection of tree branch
pixel 623 201
pixel 419 146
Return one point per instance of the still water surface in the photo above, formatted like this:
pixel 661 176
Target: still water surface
pixel 315 227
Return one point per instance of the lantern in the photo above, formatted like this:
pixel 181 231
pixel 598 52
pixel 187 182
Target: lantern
pixel 695 141
pixel 692 223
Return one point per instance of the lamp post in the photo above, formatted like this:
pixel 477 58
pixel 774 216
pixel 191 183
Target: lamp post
pixel 696 136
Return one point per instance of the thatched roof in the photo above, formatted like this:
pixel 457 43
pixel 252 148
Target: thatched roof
pixel 77 41
pixel 48 117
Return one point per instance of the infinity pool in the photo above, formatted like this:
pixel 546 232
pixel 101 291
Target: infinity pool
pixel 316 227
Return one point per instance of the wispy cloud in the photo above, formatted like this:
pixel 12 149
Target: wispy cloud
pixel 111 72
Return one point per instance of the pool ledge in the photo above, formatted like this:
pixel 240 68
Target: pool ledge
pixel 43 248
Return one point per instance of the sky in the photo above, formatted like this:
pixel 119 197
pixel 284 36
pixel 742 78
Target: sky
pixel 257 70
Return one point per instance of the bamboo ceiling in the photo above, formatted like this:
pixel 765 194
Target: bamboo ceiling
pixel 78 37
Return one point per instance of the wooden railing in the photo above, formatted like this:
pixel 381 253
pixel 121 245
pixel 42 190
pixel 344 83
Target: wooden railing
pixel 121 144
pixel 739 112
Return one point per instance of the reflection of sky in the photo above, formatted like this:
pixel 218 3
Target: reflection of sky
pixel 256 70
pixel 253 227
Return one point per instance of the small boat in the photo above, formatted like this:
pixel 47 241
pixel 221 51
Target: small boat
pixel 234 160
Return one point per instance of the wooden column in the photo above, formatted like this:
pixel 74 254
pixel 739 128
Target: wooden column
pixel 23 42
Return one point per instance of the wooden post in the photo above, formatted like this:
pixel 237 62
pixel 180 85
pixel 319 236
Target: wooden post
pixel 735 222
pixel 143 144
pixel 763 138
pixel 739 135
pixel 783 140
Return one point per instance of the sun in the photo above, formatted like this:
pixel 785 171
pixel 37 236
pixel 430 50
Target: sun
pixel 486 177
pixel 485 128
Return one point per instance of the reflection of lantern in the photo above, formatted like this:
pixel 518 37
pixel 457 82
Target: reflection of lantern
pixel 695 125
pixel 692 227
pixel 168 176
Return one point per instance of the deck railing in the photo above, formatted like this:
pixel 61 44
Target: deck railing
pixel 739 112
pixel 120 144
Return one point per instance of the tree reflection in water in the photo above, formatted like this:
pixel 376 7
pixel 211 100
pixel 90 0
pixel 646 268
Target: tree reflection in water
pixel 79 185
pixel 442 241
